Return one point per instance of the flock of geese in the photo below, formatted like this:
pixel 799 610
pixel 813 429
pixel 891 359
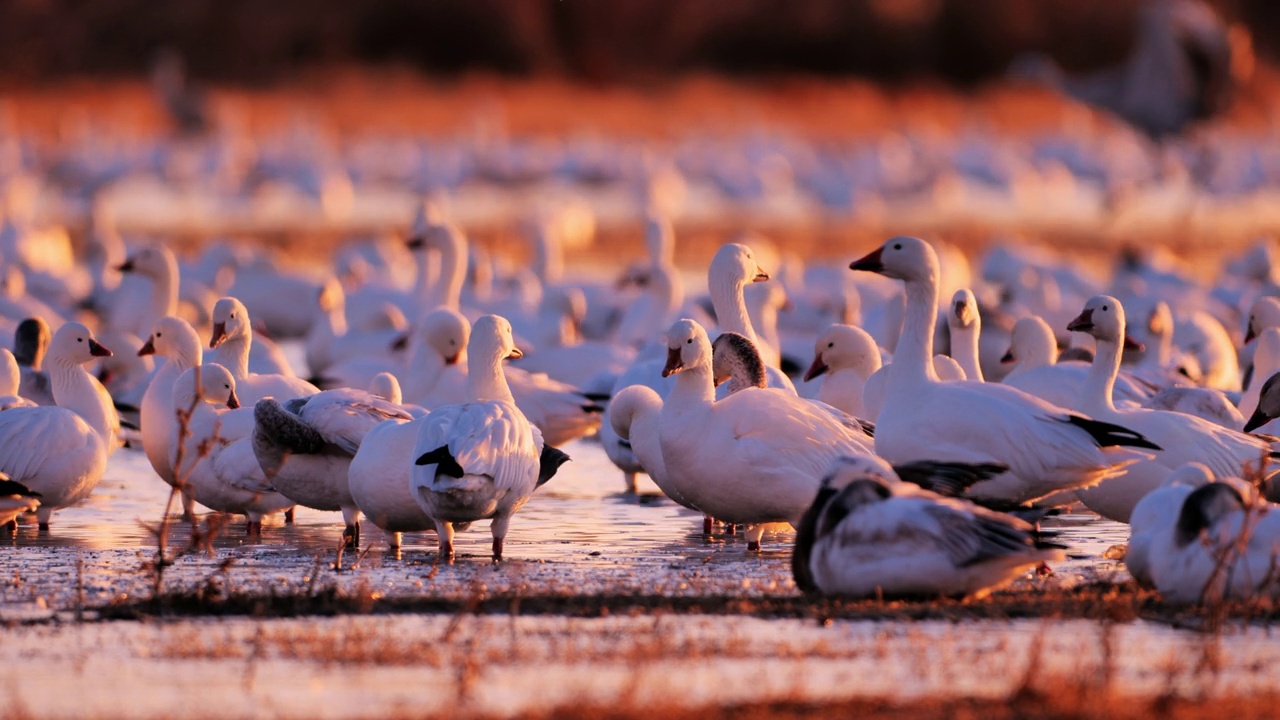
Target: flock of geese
pixel 905 471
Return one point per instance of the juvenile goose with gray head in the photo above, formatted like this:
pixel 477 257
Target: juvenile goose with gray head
pixel 30 342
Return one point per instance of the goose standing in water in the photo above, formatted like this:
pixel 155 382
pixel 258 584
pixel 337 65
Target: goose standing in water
pixel 176 341
pixel 213 458
pixel 481 459
pixel 1046 448
pixel 60 451
pixel 868 534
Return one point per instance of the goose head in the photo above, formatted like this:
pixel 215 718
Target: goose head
pixel 10 373
pixel 31 341
pixel 963 313
pixel 73 344
pixel 735 357
pixel 427 216
pixel 230 321
pixel 1268 404
pixel 735 263
pixel 1160 321
pixel 172 337
pixel 211 383
pixel 1103 318
pixel 152 261
pixel 841 347
pixel 687 347
pixel 1031 344
pixel 386 386
pixel 1203 508
pixel 448 333
pixel 1265 313
pixel 905 258
pixel 492 338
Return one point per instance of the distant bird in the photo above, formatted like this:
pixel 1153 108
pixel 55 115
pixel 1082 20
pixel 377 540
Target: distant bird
pixel 868 534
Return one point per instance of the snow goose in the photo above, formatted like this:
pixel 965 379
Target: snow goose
pixel 210 451
pixel 844 357
pixel 1263 314
pixel 1222 546
pixel 965 327
pixel 30 343
pixel 561 353
pixel 1156 512
pixel 305 446
pixel 733 266
pixel 1036 370
pixel 15 499
pixel 379 479
pixel 331 341
pixel 10 381
pixel 177 342
pixel 1266 362
pixel 61 451
pixel 1183 438
pixel 868 534
pixel 231 339
pixel 1047 449
pixel 138 315
pixel 1203 337
pixel 1158 365
pixel 481 458
pixel 754 457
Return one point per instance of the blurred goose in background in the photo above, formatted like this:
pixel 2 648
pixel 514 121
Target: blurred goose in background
pixel 30 343
pixel 331 341
pixel 965 327
pixel 10 381
pixel 732 268
pixel 868 534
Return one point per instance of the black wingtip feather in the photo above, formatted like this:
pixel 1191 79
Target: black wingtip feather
pixel 445 463
pixel 1107 434
pixel 13 487
pixel 549 463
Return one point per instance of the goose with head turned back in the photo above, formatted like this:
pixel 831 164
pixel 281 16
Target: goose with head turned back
pixel 481 458
pixel 61 451
pixel 1156 512
pixel 867 534
pixel 30 343
pixel 1047 449
pixel 732 268
pixel 176 341
pixel 231 339
pixel 1183 438
pixel 212 457
pixel 754 457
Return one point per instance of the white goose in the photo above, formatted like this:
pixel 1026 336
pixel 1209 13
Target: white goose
pixel 231 339
pixel 733 266
pixel 868 534
pixel 1156 512
pixel 1183 438
pixel 1266 362
pixel 213 460
pixel 176 341
pixel 1033 353
pixel 305 446
pixel 379 479
pixel 1047 449
pixel 61 451
pixel 331 341
pixel 754 457
pixel 844 357
pixel 482 458
pixel 10 382
pixel 137 315
pixel 965 326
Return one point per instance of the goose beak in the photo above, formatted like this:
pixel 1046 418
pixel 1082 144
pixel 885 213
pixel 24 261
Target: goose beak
pixel 453 359
pixel 126 266
pixel 516 354
pixel 219 334
pixel 674 363
pixel 1256 420
pixel 761 276
pixel 816 368
pixel 148 348
pixel 400 343
pixel 1083 322
pixel 1007 358
pixel 870 262
pixel 233 402
pixel 1131 344
pixel 416 242
pixel 97 350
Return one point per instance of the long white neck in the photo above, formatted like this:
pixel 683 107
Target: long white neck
pixel 164 294
pixel 486 380
pixel 693 390
pixel 964 350
pixel 913 357
pixel 233 354
pixel 765 316
pixel 423 370
pixel 75 390
pixel 731 308
pixel 1096 395
pixel 422 280
pixel 447 291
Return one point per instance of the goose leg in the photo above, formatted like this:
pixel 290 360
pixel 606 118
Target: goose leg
pixel 499 529
pixel 754 533
pixel 188 507
pixel 351 516
pixel 707 524
pixel 253 528
pixel 11 526
pixel 445 531
pixel 730 528
pixel 43 514
pixel 288 516
pixel 630 480
pixel 394 540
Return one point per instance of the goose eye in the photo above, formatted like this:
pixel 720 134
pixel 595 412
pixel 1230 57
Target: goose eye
pixel 831 345
pixel 1104 308
pixel 79 339
pixel 233 315
pixel 689 341
pixel 227 387
pixel 897 246
pixel 159 334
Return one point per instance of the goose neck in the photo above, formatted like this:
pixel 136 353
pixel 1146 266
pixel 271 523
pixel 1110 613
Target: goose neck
pixel 486 380
pixel 913 357
pixel 693 389
pixel 964 349
pixel 731 307
pixel 233 354
pixel 74 389
pixel 1097 397
pixel 447 292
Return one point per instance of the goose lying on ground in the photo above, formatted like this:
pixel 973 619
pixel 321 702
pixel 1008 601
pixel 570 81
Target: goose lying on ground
pixel 1156 512
pixel 1047 449
pixel 868 534
pixel 481 459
